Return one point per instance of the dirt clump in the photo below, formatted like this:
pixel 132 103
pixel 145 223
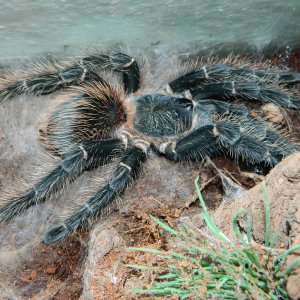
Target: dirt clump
pixel 51 272
pixel 106 275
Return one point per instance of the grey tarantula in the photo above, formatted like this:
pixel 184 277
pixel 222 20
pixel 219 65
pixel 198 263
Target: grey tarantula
pixel 97 122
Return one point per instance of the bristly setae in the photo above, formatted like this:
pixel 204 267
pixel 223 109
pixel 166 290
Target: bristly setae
pixel 95 122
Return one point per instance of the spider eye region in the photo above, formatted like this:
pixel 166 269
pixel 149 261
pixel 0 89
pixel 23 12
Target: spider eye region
pixel 160 115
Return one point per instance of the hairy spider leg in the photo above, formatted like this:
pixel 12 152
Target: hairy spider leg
pixel 118 62
pixel 245 90
pixel 278 146
pixel 282 77
pixel 239 136
pixel 48 81
pixel 208 107
pixel 221 72
pixel 86 156
pixel 124 174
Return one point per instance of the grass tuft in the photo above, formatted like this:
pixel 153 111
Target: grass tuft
pixel 219 269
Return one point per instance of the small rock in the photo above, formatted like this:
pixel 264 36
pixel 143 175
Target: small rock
pixel 51 269
pixel 272 113
pixel 26 278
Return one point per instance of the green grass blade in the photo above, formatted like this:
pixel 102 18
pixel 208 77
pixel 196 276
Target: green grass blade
pixel 219 270
pixel 209 222
pixel 165 226
pixel 286 253
pixel 289 269
pixel 168 276
pixel 149 250
pixel 236 229
pixel 139 267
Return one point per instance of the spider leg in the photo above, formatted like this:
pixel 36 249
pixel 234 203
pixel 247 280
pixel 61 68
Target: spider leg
pixel 197 77
pixel 219 72
pixel 118 62
pixel 281 77
pixel 124 174
pixel 49 81
pixel 208 107
pixel 245 90
pixel 239 136
pixel 85 156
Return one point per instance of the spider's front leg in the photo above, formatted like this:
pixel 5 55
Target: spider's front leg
pixel 86 156
pixel 124 174
pixel 51 77
pixel 224 82
pixel 245 90
pixel 213 73
pixel 118 62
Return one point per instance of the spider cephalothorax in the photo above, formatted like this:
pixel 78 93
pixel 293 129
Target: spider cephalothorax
pixel 159 115
pixel 95 123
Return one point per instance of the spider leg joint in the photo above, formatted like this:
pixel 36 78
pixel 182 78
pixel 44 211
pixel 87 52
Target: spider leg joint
pixel 215 131
pixel 205 72
pixel 82 77
pixel 85 155
pixel 233 88
pixel 168 89
pixel 168 148
pixel 121 164
pixel 142 144
pixel 124 136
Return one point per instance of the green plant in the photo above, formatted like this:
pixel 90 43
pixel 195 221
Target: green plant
pixel 219 268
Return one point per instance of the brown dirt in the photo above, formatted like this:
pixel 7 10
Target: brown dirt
pixel 290 59
pixel 53 272
pixel 106 275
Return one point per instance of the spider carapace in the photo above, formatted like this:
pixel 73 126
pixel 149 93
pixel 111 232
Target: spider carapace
pixel 95 123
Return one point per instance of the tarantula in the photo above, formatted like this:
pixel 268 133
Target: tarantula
pixel 96 123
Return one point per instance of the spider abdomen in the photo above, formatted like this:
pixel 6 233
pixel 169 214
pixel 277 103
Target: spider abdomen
pixel 93 113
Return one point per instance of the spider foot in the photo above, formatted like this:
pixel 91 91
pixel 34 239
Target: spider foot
pixel 56 233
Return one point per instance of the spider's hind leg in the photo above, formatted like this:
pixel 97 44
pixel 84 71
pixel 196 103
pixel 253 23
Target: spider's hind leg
pixel 51 77
pixel 46 81
pixel 85 156
pixel 126 171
